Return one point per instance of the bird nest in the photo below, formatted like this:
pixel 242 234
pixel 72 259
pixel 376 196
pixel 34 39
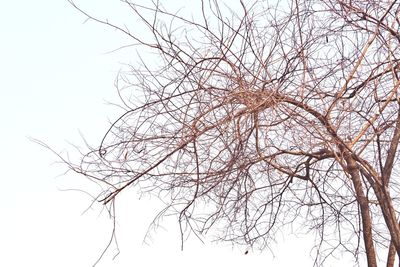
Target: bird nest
pixel 254 100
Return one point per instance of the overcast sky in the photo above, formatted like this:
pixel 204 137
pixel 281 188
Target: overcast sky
pixel 56 78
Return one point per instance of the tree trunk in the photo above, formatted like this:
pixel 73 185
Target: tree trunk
pixel 389 214
pixel 364 207
pixel 391 255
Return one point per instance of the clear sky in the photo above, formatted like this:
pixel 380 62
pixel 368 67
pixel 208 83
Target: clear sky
pixel 56 76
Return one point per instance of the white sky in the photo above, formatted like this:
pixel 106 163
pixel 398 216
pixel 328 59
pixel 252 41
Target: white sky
pixel 55 78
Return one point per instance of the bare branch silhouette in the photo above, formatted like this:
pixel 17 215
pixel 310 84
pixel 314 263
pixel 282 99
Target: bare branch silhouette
pixel 253 118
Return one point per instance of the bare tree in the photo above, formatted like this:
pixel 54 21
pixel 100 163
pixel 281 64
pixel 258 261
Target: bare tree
pixel 256 117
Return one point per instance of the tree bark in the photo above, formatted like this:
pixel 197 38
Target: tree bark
pixel 391 255
pixel 364 207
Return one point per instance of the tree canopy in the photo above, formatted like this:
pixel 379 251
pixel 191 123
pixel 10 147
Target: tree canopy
pixel 273 113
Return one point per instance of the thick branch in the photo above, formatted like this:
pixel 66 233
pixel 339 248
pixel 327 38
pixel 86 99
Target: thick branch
pixel 364 207
pixel 387 169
